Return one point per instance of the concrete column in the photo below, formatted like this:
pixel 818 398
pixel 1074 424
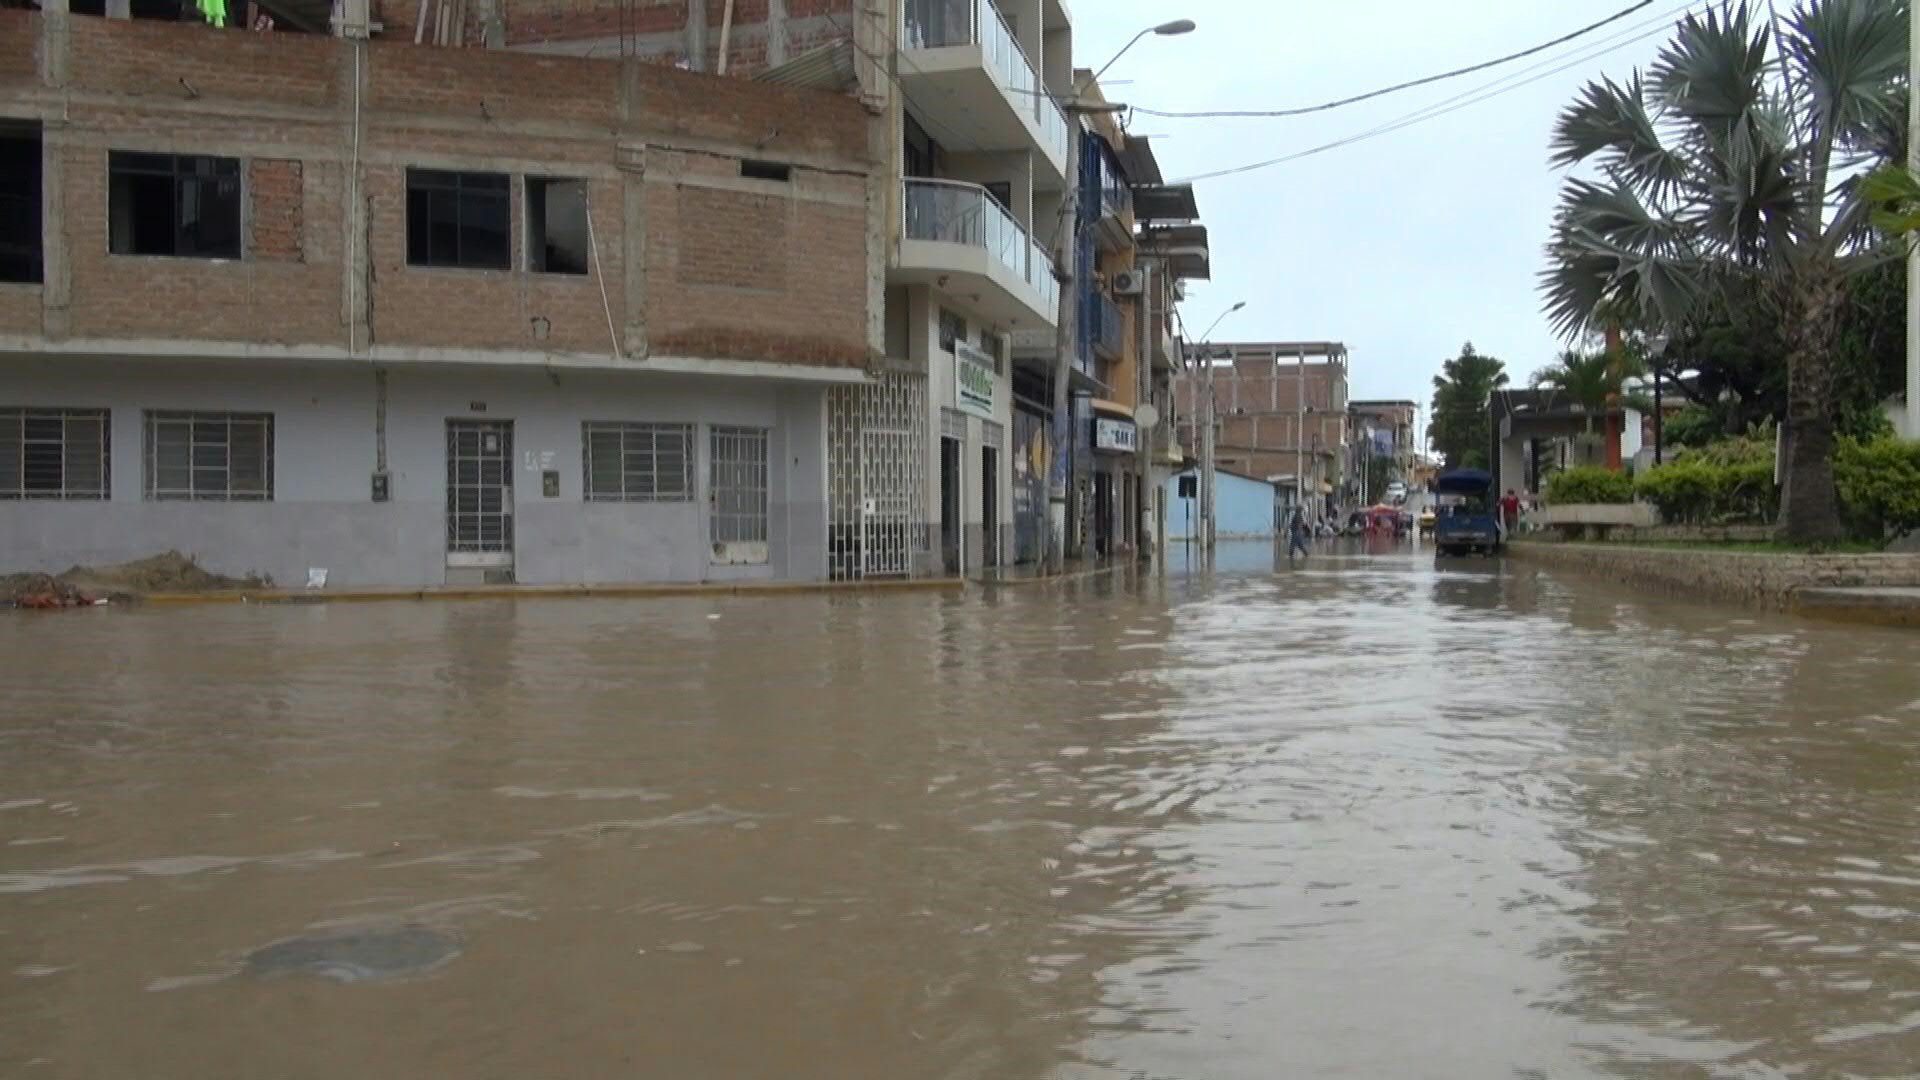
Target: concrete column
pixel 776 32
pixel 697 35
pixel 56 268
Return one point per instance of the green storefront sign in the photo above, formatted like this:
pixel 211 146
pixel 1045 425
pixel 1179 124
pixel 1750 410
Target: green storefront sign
pixel 973 380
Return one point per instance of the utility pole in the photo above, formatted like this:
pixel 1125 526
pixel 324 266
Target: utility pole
pixel 1066 255
pixel 1913 247
pixel 1299 426
pixel 1143 396
pixel 1208 437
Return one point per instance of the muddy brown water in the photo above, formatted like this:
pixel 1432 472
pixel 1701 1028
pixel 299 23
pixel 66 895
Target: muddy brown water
pixel 1369 818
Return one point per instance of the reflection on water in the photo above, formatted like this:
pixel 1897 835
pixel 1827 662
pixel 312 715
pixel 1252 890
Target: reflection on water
pixel 1366 815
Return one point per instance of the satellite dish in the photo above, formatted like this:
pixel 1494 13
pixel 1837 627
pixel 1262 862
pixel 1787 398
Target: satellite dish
pixel 1146 416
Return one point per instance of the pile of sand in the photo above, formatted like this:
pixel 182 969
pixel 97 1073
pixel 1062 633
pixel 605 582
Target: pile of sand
pixel 165 573
pixel 170 572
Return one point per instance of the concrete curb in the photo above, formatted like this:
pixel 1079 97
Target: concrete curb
pixel 1879 607
pixel 549 592
pixel 1856 588
pixel 1053 579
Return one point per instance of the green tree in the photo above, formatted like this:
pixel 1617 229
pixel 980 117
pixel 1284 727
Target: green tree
pixel 1462 426
pixel 1596 381
pixel 1380 473
pixel 1724 169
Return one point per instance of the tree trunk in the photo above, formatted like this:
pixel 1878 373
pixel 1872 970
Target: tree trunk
pixel 1809 507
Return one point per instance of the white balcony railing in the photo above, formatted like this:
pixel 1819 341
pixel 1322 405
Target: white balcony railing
pixel 952 212
pixel 936 24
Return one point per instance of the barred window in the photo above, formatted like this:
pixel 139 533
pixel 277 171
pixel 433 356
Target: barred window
pixel 53 453
pixel 209 455
pixel 638 462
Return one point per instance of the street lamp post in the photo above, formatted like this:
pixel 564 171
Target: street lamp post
pixel 1066 272
pixel 1208 433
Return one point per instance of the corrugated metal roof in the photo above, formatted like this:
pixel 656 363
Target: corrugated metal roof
pixel 829 67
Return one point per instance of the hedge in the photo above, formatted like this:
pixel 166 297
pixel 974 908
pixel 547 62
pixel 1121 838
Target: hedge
pixel 1699 492
pixel 1879 485
pixel 1588 484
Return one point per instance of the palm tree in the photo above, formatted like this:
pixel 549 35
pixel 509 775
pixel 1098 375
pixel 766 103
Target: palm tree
pixel 1733 164
pixel 1596 382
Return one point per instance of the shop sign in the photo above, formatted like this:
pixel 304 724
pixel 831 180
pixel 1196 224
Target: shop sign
pixel 974 382
pixel 1115 436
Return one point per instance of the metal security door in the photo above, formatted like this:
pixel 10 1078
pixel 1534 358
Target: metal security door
pixel 737 494
pixel 876 451
pixel 480 493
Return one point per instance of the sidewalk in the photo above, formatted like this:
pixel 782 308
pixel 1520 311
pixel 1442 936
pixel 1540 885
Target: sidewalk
pixel 548 592
pixel 1033 574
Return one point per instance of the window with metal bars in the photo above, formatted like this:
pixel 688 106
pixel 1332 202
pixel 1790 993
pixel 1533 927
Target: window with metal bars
pixel 53 454
pixel 209 455
pixel 184 205
pixel 628 462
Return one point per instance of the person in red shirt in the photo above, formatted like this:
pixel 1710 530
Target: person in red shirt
pixel 1510 511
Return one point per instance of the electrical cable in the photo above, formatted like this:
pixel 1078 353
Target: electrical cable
pixel 1410 84
pixel 1460 101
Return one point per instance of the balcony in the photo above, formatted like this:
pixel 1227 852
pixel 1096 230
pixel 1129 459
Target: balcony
pixel 961 63
pixel 959 239
pixel 1115 225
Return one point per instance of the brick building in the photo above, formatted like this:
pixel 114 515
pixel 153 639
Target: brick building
pixel 419 314
pixel 1281 409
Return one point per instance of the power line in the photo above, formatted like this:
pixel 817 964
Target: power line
pixel 1397 87
pixel 1462 100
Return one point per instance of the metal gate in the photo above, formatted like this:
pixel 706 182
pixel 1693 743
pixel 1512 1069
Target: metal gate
pixel 480 493
pixel 737 494
pixel 877 450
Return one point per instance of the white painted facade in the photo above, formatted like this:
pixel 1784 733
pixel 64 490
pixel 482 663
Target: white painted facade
pixel 326 448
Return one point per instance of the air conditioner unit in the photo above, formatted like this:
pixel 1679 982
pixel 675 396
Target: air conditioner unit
pixel 1129 283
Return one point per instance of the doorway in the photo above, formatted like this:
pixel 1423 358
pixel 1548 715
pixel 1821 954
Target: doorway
pixel 737 495
pixel 989 506
pixel 950 480
pixel 480 500
pixel 1102 514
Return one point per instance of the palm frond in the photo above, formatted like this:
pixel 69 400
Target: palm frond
pixel 1714 70
pixel 1849 57
pixel 1613 119
pixel 1753 202
pixel 1618 215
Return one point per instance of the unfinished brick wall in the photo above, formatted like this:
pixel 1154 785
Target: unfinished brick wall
pixel 716 288
pixel 275 192
pixel 785 267
pixel 19 49
pixel 763 32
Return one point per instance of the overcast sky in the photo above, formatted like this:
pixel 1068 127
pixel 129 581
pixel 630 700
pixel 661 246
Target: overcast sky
pixel 1403 246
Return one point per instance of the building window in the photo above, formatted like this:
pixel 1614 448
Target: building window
pixel 459 219
pixel 638 462
pixel 183 205
pixel 952 328
pixel 20 230
pixel 53 453
pixel 992 345
pixel 766 170
pixel 209 455
pixel 557 234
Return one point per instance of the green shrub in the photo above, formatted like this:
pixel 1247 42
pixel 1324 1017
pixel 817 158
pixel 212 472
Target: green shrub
pixel 1698 490
pixel 1690 427
pixel 1589 484
pixel 1879 485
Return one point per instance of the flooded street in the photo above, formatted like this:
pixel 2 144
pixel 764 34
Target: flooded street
pixel 1366 819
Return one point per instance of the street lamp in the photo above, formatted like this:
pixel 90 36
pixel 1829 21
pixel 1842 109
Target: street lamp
pixel 1207 434
pixel 1059 469
pixel 1165 29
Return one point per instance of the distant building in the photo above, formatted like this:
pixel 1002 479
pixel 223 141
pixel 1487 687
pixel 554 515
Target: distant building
pixel 1281 408
pixel 1381 429
pixel 1248 508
